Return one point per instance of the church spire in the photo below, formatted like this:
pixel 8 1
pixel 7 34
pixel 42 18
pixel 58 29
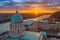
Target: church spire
pixel 16 9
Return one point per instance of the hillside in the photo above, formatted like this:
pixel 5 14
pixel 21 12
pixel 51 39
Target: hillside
pixel 55 16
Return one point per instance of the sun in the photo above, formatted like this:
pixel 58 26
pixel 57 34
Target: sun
pixel 36 11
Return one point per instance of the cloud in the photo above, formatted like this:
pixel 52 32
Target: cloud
pixel 18 1
pixel 1 3
pixel 4 2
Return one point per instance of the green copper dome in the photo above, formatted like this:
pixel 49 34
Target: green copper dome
pixel 16 18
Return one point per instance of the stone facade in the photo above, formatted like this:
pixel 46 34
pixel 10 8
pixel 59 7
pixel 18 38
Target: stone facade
pixel 16 30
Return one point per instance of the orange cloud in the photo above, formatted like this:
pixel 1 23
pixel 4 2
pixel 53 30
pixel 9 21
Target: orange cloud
pixel 34 10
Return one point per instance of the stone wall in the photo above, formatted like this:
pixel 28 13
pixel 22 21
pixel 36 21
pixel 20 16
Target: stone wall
pixel 44 26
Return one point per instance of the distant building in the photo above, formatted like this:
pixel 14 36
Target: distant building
pixel 28 24
pixel 31 25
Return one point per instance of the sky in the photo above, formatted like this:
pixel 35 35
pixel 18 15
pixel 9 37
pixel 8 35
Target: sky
pixel 53 5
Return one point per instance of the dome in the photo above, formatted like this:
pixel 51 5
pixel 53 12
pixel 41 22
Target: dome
pixel 16 18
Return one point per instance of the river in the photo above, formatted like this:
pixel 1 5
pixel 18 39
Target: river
pixel 4 27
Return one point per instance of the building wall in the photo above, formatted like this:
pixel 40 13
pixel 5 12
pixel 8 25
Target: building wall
pixel 44 26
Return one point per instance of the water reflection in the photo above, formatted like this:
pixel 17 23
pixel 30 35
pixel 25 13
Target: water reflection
pixel 4 27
